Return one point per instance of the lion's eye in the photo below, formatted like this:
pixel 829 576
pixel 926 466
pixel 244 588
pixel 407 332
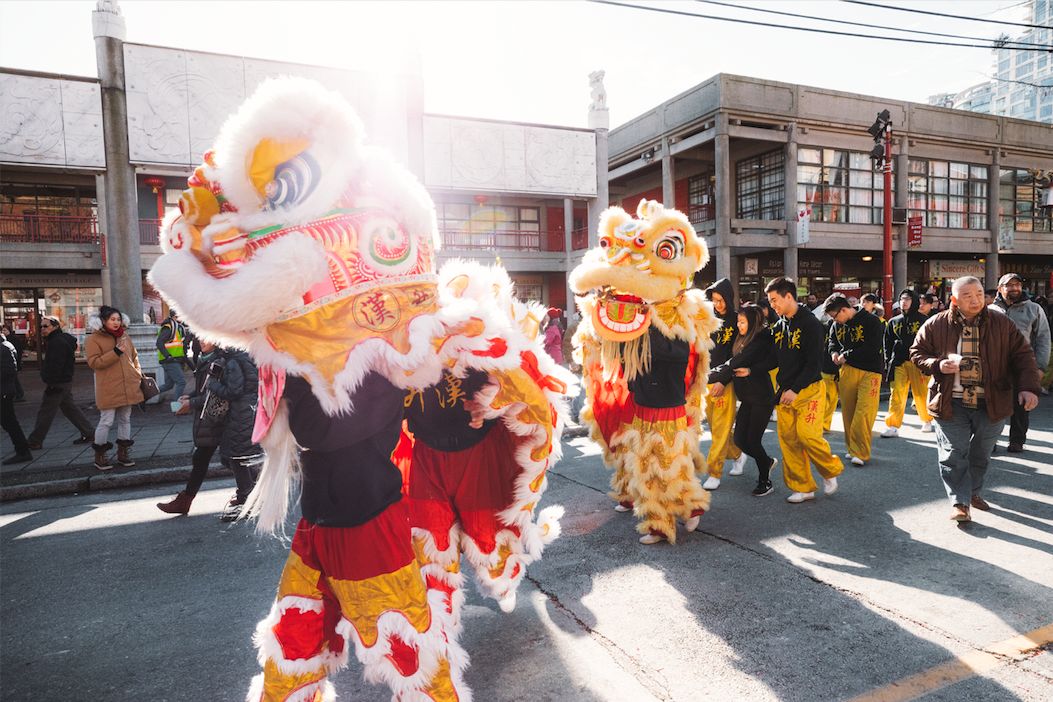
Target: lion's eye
pixel 639 242
pixel 670 247
pixel 605 242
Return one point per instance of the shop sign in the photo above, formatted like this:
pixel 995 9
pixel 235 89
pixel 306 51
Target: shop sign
pixel 812 267
pixel 914 231
pixel 1006 234
pixel 804 218
pixel 955 269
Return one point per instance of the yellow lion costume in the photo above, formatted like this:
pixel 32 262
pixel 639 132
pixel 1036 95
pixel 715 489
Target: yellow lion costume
pixel 643 344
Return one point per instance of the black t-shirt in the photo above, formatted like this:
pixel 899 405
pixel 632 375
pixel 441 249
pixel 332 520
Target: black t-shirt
pixel 800 342
pixel 437 416
pixel 348 476
pixel 862 342
pixel 663 385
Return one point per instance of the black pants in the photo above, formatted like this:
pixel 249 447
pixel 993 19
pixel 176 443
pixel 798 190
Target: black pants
pixel 59 397
pixel 9 423
pixel 750 422
pixel 1019 422
pixel 245 471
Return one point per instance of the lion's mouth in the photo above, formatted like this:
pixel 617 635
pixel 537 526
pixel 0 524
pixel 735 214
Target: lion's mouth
pixel 621 317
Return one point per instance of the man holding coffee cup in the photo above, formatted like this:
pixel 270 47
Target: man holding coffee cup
pixel 975 356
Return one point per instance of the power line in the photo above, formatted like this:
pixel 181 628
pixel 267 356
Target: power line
pixel 941 14
pixel 648 8
pixel 868 26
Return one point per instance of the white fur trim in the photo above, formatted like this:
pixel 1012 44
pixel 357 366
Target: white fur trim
pixel 268 502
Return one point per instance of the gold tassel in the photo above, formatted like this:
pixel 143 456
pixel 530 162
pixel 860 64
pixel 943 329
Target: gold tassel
pixel 632 357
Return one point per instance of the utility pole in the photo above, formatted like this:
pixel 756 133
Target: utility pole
pixel 881 154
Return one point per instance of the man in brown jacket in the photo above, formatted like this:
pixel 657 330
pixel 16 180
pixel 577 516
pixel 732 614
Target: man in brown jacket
pixel 976 357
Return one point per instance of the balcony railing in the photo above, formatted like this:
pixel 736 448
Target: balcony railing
pixel 579 239
pixel 502 241
pixel 149 232
pixel 48 229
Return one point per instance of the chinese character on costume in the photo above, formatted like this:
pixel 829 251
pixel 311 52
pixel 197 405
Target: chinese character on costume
pixel 417 410
pixel 643 344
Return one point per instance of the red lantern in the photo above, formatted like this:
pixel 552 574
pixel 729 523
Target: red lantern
pixel 481 200
pixel 157 184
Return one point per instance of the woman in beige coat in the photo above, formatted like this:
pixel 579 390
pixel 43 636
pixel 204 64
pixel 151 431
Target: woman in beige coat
pixel 112 356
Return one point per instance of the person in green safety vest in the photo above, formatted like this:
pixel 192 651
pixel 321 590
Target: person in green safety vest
pixel 172 340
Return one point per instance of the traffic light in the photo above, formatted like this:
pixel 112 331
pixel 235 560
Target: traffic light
pixel 877 130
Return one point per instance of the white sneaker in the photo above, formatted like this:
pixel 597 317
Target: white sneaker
pixel 848 456
pixel 648 539
pixel 857 461
pixel 799 497
pixel 692 523
pixel 927 428
pixel 890 433
pixel 508 602
pixel 738 464
pixel 829 486
pixel 711 483
pixel 622 508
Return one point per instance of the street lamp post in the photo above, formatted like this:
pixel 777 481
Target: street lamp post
pixel 881 130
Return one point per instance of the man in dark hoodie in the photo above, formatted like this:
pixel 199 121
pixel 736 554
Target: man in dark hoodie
pixel 859 386
pixel 903 376
pixel 720 398
pixel 56 370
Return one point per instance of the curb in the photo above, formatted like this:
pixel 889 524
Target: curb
pixel 105 481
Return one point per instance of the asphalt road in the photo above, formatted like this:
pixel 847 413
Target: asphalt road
pixel 871 591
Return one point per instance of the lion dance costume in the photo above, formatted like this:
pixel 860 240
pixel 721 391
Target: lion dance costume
pixel 643 343
pixel 315 253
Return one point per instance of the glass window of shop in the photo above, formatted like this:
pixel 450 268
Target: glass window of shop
pixel 760 184
pixel 839 186
pixel 23 308
pixel 1020 201
pixel 474 226
pixel 948 195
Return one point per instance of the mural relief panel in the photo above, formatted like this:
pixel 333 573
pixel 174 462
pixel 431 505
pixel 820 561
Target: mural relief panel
pixel 50 121
pixel 158 99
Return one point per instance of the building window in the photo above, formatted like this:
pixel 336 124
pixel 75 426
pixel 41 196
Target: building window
pixel 949 195
pixel 1020 202
pixel 761 185
pixel 840 186
pixel 700 200
pixel 474 226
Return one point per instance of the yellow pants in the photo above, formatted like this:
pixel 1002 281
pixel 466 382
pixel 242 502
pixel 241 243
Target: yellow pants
pixel 830 389
pixel 860 395
pixel 720 413
pixel 908 378
pixel 773 373
pixel 801 439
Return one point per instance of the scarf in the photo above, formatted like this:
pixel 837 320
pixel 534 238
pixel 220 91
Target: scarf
pixel 115 334
pixel 969 372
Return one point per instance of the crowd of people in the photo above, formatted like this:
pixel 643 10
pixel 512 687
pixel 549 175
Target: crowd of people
pixel 780 358
pixel 222 402
pixel 985 360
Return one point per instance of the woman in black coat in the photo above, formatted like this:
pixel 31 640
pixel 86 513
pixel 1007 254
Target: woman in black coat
pixel 223 405
pixel 753 356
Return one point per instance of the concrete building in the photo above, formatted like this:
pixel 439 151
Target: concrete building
pixel 1022 82
pixel 745 156
pixel 88 167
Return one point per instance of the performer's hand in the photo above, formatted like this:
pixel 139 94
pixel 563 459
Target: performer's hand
pixel 788 396
pixel 742 372
pixel 476 410
pixel 1029 400
pixel 948 367
pixel 717 390
pixel 839 359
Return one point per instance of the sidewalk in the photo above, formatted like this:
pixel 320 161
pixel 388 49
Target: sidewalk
pixel 163 444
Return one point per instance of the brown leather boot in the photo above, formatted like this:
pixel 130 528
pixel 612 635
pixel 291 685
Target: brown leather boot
pixel 124 453
pixel 179 505
pixel 102 461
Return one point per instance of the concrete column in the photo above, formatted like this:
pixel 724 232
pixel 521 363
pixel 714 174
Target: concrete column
pixel 600 122
pixel 668 177
pixel 901 253
pixel 723 209
pixel 991 266
pixel 124 265
pixel 568 247
pixel 789 254
pixel 100 198
pixel 721 258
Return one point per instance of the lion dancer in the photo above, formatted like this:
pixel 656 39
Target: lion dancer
pixel 481 441
pixel 644 346
pixel 351 577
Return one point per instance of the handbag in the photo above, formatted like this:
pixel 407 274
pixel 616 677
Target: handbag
pixel 149 387
pixel 215 409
